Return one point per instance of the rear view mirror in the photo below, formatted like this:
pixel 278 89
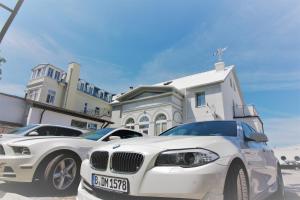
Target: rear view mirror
pixel 257 137
pixel 114 138
pixel 33 133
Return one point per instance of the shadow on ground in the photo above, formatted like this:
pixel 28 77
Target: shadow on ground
pixel 30 191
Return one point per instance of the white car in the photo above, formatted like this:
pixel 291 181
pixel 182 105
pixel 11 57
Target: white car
pixel 211 160
pixel 51 160
pixel 42 130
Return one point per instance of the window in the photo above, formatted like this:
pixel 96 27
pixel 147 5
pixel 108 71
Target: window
pixel 200 99
pixel 46 131
pixel 50 72
pixel 247 130
pixel 92 126
pixel 97 111
pixel 79 124
pixel 50 97
pixel 60 131
pixel 144 124
pixel 123 134
pixel 96 135
pixel 160 124
pixel 57 75
pixel 129 123
pixel 209 128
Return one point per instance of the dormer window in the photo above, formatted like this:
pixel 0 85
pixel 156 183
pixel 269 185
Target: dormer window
pixel 57 75
pixel 50 72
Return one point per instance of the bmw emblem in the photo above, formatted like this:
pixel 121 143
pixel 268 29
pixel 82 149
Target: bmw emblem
pixel 116 146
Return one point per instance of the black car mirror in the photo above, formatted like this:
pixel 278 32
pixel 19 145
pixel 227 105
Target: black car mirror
pixel 257 137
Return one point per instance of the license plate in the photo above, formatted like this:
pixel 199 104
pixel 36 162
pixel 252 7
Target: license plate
pixel 120 185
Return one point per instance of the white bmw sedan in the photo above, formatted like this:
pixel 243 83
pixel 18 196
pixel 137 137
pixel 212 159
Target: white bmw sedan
pixel 211 160
pixel 52 161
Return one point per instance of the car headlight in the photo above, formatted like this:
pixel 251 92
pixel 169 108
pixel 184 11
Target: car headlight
pixel 21 150
pixel 186 157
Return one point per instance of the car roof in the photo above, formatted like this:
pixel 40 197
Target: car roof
pixel 61 126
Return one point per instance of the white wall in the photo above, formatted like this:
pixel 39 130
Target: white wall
pixel 230 95
pixel 213 98
pixel 12 109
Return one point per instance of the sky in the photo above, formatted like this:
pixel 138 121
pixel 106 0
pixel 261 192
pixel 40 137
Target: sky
pixel 123 43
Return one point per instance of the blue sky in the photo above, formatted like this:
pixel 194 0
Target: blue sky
pixel 120 43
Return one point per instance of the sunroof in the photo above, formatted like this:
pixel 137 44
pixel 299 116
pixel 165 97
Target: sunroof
pixel 168 83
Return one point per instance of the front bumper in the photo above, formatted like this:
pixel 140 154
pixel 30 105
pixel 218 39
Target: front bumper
pixel 204 182
pixel 16 168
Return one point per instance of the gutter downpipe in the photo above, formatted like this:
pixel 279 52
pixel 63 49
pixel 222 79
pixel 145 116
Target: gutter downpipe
pixel 42 115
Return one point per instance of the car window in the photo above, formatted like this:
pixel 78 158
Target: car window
pixel 247 130
pixel 22 130
pixel 96 135
pixel 211 128
pixel 124 134
pixel 67 132
pixel 46 131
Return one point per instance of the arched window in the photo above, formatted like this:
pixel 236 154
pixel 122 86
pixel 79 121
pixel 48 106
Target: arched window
pixel 144 124
pixel 160 123
pixel 129 123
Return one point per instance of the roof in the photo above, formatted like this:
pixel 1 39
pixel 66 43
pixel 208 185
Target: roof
pixel 37 104
pixel 200 79
pixel 45 65
pixel 195 80
pixel 136 91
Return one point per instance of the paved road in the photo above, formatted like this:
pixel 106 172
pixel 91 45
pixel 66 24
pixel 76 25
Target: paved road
pixel 28 192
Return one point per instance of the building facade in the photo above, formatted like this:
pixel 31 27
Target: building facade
pixel 211 95
pixel 53 86
pixel 17 112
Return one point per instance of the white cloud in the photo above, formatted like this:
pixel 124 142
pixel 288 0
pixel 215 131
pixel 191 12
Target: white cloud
pixel 283 131
pixel 14 89
pixel 38 48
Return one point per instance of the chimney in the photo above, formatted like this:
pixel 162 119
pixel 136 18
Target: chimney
pixel 220 66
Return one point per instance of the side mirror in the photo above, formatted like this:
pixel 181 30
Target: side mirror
pixel 257 137
pixel 33 133
pixel 111 138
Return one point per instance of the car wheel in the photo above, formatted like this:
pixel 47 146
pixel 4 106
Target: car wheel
pixel 279 194
pixel 62 173
pixel 236 185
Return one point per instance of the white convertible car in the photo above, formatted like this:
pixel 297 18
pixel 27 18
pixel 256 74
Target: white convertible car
pixel 212 160
pixel 51 160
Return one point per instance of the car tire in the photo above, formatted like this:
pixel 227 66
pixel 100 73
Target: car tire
pixel 236 184
pixel 279 194
pixel 61 174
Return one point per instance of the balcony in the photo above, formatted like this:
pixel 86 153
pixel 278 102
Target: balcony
pixel 245 111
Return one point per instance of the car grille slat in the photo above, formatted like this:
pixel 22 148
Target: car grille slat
pixel 126 162
pixel 2 152
pixel 99 160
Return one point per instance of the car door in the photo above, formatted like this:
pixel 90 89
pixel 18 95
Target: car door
pixel 254 154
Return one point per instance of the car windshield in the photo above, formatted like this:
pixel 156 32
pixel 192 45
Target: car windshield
pixel 22 130
pixel 213 128
pixel 96 135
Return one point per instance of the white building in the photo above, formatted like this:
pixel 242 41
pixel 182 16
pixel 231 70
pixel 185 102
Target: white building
pixel 211 95
pixel 17 111
pixel 51 85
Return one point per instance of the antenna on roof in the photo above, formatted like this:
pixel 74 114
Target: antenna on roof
pixel 219 53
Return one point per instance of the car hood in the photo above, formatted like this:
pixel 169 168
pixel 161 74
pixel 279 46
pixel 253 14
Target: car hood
pixel 218 144
pixel 33 140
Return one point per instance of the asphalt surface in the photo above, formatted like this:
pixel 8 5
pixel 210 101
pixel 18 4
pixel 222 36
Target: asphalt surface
pixel 12 191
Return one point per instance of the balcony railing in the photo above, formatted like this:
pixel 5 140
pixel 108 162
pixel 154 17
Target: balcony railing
pixel 245 111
